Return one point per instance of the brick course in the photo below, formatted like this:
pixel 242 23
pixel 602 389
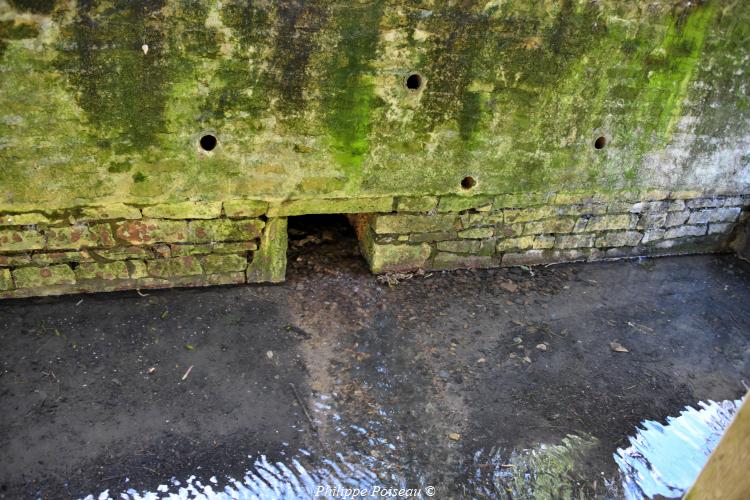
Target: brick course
pixel 533 229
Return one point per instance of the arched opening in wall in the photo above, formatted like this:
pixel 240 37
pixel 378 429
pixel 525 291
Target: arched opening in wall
pixel 322 244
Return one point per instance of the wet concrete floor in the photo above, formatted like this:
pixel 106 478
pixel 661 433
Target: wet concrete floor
pixel 436 379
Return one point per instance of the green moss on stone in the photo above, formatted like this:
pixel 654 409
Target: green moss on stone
pixel 102 271
pixel 40 277
pixel 6 281
pixel 215 264
pixel 269 262
pixel 403 257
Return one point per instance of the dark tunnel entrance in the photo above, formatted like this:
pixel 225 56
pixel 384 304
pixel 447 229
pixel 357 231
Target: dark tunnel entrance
pixel 323 243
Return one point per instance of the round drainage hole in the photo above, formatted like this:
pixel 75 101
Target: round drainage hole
pixel 208 142
pixel 468 182
pixel 600 142
pixel 414 81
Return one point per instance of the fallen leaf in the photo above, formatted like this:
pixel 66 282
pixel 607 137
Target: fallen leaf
pixel 527 359
pixel 481 360
pixel 509 286
pixel 617 347
pixel 189 347
pixel 454 436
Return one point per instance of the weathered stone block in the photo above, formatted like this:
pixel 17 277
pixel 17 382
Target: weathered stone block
pixel 217 248
pixel 118 253
pixel 215 264
pixel 28 219
pixel 137 269
pixel 47 258
pixel 683 231
pixel 176 266
pixel 15 240
pixel 111 211
pixel 6 281
pixel 481 219
pixel 79 236
pixel 516 243
pixel 619 239
pixel 384 258
pixel 709 202
pixel 462 246
pixel 204 231
pixel 458 203
pixel 528 214
pixel 424 237
pixel 653 220
pixel 728 214
pixel 149 231
pixel 269 262
pixel 237 247
pixel 658 206
pixel 185 210
pixel 508 230
pixel 194 280
pixel 13 260
pixel 240 209
pixel 583 240
pixel 182 249
pixel 677 218
pixel 611 222
pixel 569 255
pixel 653 235
pixel 544 241
pixel 685 194
pixel 405 223
pixel 527 258
pixel 417 204
pixel 445 260
pixel 477 233
pixel 735 201
pixel 581 224
pixel 331 206
pixel 550 226
pixel 102 271
pixel 34 277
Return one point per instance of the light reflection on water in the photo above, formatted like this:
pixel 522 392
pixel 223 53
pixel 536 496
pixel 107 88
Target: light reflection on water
pixel 662 459
pixel 665 459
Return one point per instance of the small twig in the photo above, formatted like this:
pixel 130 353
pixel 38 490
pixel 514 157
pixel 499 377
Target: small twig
pixel 138 291
pixel 304 408
pixel 187 372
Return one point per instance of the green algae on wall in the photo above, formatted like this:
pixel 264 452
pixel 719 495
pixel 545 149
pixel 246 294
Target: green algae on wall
pixel 106 101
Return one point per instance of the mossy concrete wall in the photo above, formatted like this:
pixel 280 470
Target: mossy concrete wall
pixel 106 101
pixel 355 106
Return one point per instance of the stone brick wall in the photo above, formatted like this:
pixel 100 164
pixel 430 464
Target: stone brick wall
pixel 508 230
pixel 120 246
